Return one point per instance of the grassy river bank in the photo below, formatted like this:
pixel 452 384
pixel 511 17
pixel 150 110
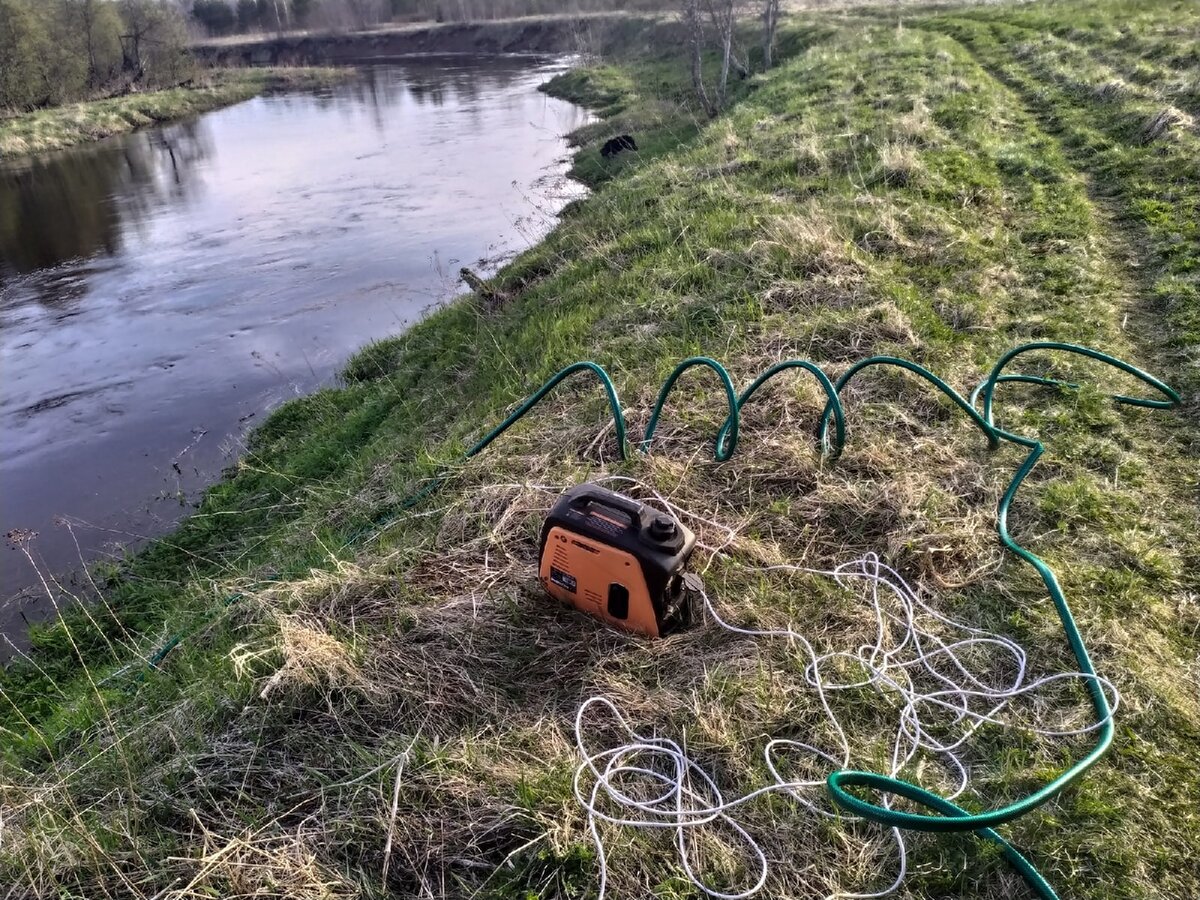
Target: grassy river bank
pixel 60 127
pixel 387 707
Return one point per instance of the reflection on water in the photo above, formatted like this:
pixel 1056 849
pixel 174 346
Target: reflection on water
pixel 77 204
pixel 159 291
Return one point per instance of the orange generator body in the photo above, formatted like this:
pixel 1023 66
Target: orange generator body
pixel 616 559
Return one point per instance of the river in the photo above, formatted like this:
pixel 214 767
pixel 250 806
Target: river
pixel 162 291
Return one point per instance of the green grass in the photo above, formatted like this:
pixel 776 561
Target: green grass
pixel 80 123
pixel 1105 101
pixel 938 191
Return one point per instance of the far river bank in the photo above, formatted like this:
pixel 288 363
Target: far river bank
pixel 237 68
pixel 60 127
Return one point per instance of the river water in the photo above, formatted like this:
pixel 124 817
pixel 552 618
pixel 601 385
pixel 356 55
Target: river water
pixel 160 292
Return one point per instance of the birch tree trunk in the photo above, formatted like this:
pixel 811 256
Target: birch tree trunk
pixel 726 48
pixel 282 21
pixel 770 24
pixel 721 12
pixel 695 28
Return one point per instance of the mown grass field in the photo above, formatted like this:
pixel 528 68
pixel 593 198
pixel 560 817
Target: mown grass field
pixel 388 711
pixel 80 123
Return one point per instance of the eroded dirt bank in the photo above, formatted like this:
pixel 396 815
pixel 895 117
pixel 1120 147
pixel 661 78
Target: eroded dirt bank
pixel 539 34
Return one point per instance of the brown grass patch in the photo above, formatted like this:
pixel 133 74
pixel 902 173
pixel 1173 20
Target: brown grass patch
pixel 818 292
pixel 312 657
pixel 812 243
pixel 865 332
pixel 810 154
pixel 1163 122
pixel 260 866
pixel 899 166
pixel 915 127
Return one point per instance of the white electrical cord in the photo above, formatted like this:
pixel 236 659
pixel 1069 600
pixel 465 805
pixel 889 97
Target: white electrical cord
pixel 651 782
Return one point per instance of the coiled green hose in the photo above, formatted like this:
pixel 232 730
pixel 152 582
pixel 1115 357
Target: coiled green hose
pixel 950 817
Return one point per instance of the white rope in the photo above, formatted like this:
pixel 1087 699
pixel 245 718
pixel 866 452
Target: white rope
pixel 651 782
pixel 656 785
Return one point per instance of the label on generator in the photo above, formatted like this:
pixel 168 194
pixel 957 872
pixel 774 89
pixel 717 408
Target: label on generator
pixel 563 579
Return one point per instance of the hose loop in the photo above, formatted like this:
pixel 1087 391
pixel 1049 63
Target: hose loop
pixel 984 426
pixel 832 402
pixel 610 391
pixel 988 386
pixel 727 437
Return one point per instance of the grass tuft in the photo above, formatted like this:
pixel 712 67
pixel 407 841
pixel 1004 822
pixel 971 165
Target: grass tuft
pixel 1162 122
pixel 899 166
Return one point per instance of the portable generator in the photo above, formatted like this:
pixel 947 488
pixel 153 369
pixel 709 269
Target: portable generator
pixel 617 559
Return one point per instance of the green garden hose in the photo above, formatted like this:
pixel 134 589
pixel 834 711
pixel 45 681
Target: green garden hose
pixel 950 817
pixel 610 391
pixel 955 818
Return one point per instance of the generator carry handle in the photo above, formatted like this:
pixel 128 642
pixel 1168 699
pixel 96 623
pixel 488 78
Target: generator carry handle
pixel 609 510
pixel 585 497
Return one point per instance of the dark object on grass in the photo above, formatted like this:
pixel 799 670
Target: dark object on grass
pixel 613 146
pixel 488 293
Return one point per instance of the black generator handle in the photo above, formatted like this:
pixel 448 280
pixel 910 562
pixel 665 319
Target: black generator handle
pixel 600 497
pixel 649 524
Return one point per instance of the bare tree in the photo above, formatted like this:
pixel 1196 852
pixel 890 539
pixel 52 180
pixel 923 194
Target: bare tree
pixel 88 11
pixel 695 30
pixel 154 42
pixel 723 14
pixel 365 12
pixel 770 24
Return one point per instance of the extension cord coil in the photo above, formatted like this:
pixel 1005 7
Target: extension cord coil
pixel 676 793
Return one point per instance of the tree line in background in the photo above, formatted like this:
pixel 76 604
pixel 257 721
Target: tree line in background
pixel 218 18
pixel 58 51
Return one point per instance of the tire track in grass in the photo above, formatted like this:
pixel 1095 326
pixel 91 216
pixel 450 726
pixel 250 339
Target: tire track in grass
pixel 1147 196
pixel 1134 255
